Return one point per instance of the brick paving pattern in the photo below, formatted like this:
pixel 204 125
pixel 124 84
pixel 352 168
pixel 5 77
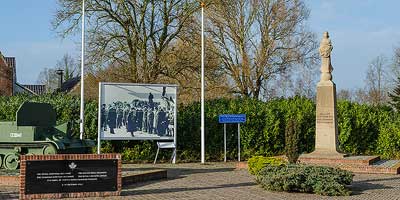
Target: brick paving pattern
pixel 222 181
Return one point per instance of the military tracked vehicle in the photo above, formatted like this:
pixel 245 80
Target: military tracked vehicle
pixel 35 133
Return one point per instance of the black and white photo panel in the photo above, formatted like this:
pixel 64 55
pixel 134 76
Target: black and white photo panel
pixel 137 111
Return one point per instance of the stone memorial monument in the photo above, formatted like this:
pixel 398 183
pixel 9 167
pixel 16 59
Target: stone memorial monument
pixel 326 137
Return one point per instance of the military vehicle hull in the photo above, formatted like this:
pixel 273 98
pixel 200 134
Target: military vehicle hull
pixel 33 134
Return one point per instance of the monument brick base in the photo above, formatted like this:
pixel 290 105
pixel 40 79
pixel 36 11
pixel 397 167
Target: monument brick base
pixel 357 164
pixel 320 154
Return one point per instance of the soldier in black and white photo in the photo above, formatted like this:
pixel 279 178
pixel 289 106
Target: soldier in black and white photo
pixel 144 122
pixel 150 121
pixel 112 119
pixel 170 126
pixel 127 109
pixel 151 103
pixel 120 114
pixel 131 122
pixel 103 117
pixel 156 119
pixel 139 119
pixel 162 122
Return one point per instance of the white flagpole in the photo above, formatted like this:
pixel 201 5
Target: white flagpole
pixel 202 86
pixel 82 71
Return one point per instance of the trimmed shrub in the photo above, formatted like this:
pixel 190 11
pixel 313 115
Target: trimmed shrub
pixel 256 163
pixel 303 178
pixel 292 141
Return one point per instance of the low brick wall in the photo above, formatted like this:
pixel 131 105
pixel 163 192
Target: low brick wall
pixel 26 158
pixel 241 165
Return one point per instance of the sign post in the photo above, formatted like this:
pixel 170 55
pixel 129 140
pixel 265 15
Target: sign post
pixel 239 142
pixel 232 119
pixel 224 142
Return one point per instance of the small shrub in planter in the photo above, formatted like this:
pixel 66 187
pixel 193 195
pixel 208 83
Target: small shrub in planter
pixel 302 178
pixel 256 163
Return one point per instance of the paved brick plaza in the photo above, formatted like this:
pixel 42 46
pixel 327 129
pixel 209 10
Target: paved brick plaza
pixel 222 181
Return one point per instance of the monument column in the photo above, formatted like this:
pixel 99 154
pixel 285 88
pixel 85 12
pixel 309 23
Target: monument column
pixel 326 137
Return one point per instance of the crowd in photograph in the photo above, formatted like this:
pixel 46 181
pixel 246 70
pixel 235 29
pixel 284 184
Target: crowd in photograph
pixel 139 116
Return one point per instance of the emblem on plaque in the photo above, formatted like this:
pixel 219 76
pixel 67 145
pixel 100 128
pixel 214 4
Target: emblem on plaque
pixel 72 165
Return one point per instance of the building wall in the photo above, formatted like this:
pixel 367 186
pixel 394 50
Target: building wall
pixel 12 63
pixel 6 78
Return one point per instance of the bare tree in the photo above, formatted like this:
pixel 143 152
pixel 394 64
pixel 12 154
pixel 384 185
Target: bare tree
pixel 360 96
pixel 306 81
pixel 68 65
pixel 49 78
pixel 376 81
pixel 257 39
pixel 345 94
pixel 277 86
pixel 129 33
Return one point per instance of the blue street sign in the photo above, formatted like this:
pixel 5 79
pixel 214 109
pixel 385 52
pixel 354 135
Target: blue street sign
pixel 232 118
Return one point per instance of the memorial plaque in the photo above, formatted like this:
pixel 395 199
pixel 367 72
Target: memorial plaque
pixel 71 176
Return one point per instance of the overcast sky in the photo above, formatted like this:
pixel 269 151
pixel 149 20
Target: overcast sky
pixel 360 30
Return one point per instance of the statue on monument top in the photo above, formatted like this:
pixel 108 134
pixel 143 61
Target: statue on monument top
pixel 325 50
pixel 325 47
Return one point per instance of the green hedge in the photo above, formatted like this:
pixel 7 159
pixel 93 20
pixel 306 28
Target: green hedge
pixel 262 134
pixel 368 130
pixel 302 178
pixel 363 129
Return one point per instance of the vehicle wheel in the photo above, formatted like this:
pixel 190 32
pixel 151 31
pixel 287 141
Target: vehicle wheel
pixel 1 161
pixel 49 149
pixel 11 161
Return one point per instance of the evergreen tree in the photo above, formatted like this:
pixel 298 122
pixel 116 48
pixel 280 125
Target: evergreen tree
pixel 395 96
pixel 292 141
